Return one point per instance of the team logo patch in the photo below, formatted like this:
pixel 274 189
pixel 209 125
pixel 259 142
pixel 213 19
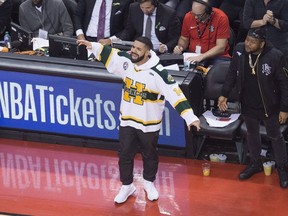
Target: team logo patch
pixel 125 65
pixel 162 28
pixel 212 28
pixel 266 69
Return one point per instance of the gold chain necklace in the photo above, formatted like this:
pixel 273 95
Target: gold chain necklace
pixel 251 64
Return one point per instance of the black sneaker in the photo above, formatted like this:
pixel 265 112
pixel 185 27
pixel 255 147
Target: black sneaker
pixel 250 170
pixel 283 176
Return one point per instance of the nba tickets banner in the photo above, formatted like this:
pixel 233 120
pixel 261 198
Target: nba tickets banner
pixel 71 106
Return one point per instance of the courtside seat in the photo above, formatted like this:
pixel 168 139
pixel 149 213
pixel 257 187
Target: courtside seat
pixel 212 90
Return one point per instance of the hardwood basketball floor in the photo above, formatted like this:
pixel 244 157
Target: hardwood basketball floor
pixel 46 179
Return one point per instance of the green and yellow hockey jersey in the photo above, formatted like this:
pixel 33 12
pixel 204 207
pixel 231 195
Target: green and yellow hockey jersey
pixel 145 89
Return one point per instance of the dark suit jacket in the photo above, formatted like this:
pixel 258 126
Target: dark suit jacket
pixel 167 25
pixel 119 15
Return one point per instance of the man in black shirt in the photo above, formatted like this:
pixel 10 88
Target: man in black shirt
pixel 258 70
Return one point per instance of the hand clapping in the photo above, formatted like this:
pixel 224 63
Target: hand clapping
pixel 269 17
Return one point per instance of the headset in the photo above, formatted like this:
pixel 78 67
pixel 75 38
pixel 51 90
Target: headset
pixel 208 9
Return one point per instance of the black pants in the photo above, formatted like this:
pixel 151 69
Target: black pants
pixel 274 134
pixel 131 140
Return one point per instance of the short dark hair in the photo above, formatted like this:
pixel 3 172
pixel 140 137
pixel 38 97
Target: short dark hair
pixel 154 2
pixel 146 41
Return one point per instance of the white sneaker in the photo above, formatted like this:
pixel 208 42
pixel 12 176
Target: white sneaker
pixel 152 193
pixel 124 193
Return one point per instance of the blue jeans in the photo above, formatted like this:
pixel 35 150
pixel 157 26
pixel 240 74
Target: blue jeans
pixel 216 60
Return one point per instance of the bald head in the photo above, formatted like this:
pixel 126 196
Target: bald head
pixel 199 9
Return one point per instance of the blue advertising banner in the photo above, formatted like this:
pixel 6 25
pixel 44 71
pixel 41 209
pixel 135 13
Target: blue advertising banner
pixel 71 106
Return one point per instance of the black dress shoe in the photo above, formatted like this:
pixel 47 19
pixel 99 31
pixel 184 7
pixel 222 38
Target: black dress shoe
pixel 250 170
pixel 283 176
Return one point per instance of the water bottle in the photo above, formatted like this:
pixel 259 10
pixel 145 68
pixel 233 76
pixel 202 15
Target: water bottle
pixel 7 40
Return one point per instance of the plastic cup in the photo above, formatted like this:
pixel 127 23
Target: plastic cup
pixel 186 65
pixel 214 157
pixel 222 158
pixel 267 168
pixel 206 169
pixel 273 164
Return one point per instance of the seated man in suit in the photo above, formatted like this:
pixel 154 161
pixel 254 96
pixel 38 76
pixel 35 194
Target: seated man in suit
pixel 164 30
pixel 205 31
pixel 88 19
pixel 44 17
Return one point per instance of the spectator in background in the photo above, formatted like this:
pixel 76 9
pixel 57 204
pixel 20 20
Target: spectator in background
pixel 165 27
pixel 87 18
pixel 184 6
pixel 44 17
pixel 273 15
pixel 5 16
pixel 205 31
pixel 234 10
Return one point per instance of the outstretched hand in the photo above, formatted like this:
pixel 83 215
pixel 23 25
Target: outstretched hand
pixel 86 43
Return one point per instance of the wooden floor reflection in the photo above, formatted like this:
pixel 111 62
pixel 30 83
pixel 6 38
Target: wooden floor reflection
pixel 47 179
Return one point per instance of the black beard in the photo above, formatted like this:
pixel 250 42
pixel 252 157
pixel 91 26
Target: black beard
pixel 140 58
pixel 254 52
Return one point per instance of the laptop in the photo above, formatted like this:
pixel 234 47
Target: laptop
pixel 66 47
pixel 23 36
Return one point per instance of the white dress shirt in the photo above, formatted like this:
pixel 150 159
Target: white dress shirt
pixel 93 25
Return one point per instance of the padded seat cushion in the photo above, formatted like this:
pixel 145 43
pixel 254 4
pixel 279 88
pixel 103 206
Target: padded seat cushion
pixel 224 132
